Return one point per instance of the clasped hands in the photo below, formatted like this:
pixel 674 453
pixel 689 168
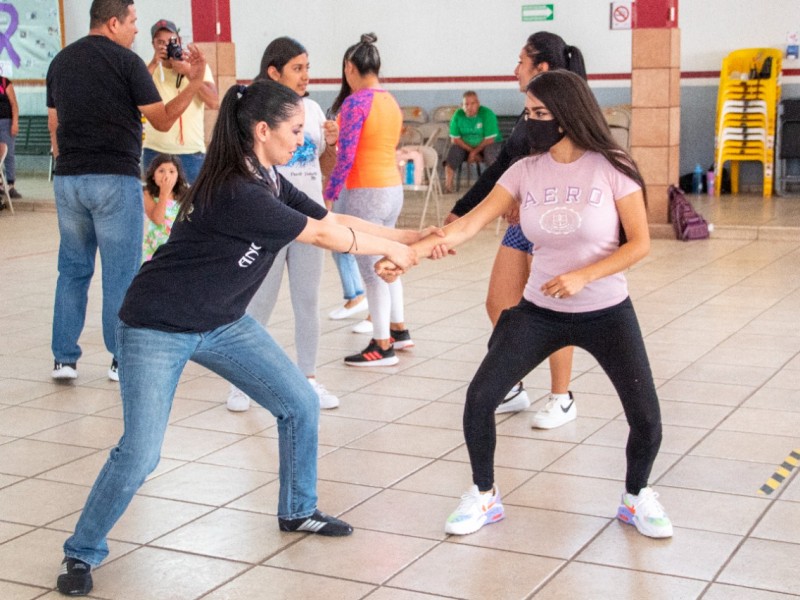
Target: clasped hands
pixel 391 267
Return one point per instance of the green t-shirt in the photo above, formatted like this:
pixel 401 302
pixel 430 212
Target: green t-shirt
pixel 473 130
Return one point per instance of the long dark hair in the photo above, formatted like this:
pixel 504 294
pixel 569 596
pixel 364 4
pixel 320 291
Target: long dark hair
pixel 568 98
pixel 181 184
pixel 231 145
pixel 279 52
pixel 547 47
pixel 365 58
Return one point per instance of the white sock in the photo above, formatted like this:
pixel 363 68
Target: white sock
pixel 559 396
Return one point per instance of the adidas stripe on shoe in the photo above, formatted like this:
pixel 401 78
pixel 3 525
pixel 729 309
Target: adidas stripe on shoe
pixel 75 577
pixel 373 356
pixel 318 523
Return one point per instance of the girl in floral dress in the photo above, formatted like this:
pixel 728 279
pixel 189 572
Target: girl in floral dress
pixel 165 184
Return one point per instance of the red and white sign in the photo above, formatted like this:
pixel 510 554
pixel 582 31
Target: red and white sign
pixel 621 15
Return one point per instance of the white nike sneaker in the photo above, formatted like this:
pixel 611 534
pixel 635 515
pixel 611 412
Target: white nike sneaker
pixel 557 412
pixel 516 400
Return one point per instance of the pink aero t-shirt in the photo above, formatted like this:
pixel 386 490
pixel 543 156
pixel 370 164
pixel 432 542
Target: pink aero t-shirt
pixel 569 212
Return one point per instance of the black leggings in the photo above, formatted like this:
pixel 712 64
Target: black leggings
pixel 525 336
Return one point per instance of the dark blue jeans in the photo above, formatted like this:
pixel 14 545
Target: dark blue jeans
pixel 525 336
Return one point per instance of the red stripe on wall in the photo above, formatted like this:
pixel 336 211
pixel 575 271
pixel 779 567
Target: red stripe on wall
pixel 205 16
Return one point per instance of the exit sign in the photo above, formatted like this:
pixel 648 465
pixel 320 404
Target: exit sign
pixel 537 12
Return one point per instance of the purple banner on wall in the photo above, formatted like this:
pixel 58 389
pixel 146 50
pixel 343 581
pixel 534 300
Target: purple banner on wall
pixel 30 36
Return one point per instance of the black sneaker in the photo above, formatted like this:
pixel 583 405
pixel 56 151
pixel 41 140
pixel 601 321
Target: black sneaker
pixel 113 370
pixel 318 523
pixel 13 193
pixel 401 339
pixel 64 370
pixel 75 578
pixel 373 356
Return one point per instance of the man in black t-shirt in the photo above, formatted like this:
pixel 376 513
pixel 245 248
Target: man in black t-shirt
pixel 97 91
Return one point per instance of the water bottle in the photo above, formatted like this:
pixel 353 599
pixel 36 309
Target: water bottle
pixel 410 172
pixel 697 179
pixel 710 181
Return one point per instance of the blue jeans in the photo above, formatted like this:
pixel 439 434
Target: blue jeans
pixel 8 140
pixel 150 364
pixel 94 211
pixel 352 284
pixel 191 162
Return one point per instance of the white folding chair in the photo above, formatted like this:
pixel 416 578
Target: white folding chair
pixel 3 181
pixel 432 186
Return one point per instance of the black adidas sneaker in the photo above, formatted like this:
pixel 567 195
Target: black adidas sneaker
pixel 75 577
pixel 318 523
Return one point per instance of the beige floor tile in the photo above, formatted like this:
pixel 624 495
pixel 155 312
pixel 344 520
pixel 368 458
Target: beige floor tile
pixel 765 565
pixel 387 593
pixel 19 421
pixel 579 580
pixel 535 531
pixel 444 369
pixel 711 511
pixel 704 392
pixel 18 391
pixel 718 475
pixel 517 453
pixel 690 414
pixel 459 570
pixel 366 556
pixel 162 574
pixel 568 493
pixel 146 518
pixel 451 479
pixel 14 591
pixel 27 457
pixel 609 463
pixel 187 443
pixel 35 502
pixel 208 388
pixel 621 545
pixel 205 484
pixel 373 407
pixel 289 585
pixel 418 388
pixel 574 432
pixel 412 440
pixel 404 513
pixel 767 422
pixel 256 453
pixel 9 531
pixel 677 440
pixel 221 419
pixel 774 399
pixel 780 524
pixel 439 414
pixel 792 490
pixel 368 468
pixel 720 591
pixel 740 445
pixel 785 379
pixel 89 432
pixel 230 534
pixel 34 558
pixel 728 374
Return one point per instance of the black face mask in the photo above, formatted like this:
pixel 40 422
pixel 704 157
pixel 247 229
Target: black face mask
pixel 543 135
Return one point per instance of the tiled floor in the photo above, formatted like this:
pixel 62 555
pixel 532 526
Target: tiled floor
pixel 722 329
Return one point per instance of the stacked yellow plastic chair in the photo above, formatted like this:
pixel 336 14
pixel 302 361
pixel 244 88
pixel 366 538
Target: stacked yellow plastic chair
pixel 749 91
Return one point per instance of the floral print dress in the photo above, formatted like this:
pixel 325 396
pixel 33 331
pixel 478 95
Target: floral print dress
pixel 155 235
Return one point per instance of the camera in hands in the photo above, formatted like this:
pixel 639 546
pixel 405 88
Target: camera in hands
pixel 174 50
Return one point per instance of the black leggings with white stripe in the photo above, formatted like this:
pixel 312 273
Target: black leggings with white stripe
pixel 525 336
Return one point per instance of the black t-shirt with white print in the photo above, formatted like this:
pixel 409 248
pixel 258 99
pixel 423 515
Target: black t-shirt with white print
pixel 214 261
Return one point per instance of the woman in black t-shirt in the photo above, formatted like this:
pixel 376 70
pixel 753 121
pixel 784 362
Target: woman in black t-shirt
pixel 188 303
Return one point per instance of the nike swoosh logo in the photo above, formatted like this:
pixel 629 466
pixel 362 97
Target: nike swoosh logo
pixel 565 409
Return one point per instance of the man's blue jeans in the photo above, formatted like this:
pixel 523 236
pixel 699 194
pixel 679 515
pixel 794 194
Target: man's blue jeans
pixel 150 364
pixel 104 212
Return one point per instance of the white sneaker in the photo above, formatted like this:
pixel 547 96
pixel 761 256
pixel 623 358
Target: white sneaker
pixel 326 399
pixel 474 511
pixel 113 370
pixel 516 400
pixel 64 370
pixel 646 513
pixel 364 326
pixel 557 412
pixel 238 401
pixel 343 313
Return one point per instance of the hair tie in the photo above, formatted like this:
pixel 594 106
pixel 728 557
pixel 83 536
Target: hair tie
pixel 240 90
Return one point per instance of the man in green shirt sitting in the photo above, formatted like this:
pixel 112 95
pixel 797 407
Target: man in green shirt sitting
pixel 475 137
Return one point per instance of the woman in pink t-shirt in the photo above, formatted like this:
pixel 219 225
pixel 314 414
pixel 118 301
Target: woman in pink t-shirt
pixel 578 193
